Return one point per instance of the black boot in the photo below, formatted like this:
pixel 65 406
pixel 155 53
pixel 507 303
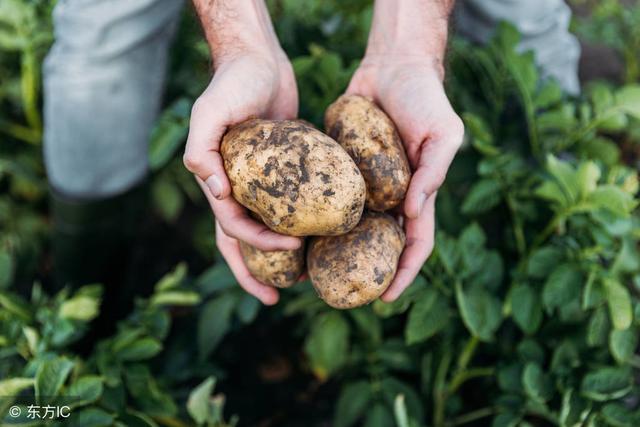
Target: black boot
pixel 92 242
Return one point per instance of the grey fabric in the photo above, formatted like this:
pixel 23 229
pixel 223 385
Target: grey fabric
pixel 104 76
pixel 544 25
pixel 103 82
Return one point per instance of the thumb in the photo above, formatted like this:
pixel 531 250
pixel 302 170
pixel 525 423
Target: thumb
pixel 202 157
pixel 435 158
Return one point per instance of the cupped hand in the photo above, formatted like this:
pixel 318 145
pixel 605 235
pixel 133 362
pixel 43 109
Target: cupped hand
pixel 245 86
pixel 410 91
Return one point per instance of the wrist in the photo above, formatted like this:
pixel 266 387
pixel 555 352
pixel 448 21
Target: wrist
pixel 238 28
pixel 409 31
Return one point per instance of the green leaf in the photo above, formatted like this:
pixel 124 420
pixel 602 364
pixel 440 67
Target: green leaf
pixel 574 409
pixel 141 349
pixel 526 308
pixel 598 328
pixel 623 344
pixel 607 383
pixel 86 389
pixel 549 94
pixel 510 378
pixel 214 322
pixel 612 199
pixel 587 175
pixel 248 308
pixel 327 345
pixel 215 279
pixel 543 260
pixel 482 197
pixel 6 269
pixel 536 383
pixel 619 302
pixel 563 286
pixel 91 417
pixel 173 279
pixel 167 199
pixel 565 176
pixel 352 403
pixel 51 375
pixel 481 312
pixel 13 386
pixel 400 411
pixel 429 315
pixel 368 325
pixel 198 402
pixel 600 148
pixel 482 139
pixel 15 305
pixel 400 305
pixel 628 99
pixel 184 298
pixel 618 415
pixel 80 307
pixel 392 387
pixel 379 416
pixel 169 134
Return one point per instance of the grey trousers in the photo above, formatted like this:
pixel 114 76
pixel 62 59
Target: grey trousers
pixel 104 75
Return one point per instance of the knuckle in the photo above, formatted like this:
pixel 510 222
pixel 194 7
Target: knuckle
pixel 192 161
pixel 200 106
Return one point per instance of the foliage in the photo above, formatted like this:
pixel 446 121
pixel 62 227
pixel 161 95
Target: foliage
pixel 527 313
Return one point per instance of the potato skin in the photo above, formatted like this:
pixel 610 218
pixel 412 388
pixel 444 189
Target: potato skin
pixel 280 269
pixel 356 268
pixel 298 180
pixel 371 139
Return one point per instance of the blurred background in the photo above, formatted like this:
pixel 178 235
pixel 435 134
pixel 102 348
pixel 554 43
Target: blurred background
pixel 527 313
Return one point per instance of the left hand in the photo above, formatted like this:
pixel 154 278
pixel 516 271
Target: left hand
pixel 410 91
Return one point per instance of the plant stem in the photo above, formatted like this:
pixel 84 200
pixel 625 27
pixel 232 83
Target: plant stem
pixel 547 232
pixel 518 232
pixel 440 390
pixel 464 376
pixel 467 353
pixel 471 416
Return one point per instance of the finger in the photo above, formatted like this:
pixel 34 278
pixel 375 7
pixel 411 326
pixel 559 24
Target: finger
pixel 435 158
pixel 230 250
pixel 236 223
pixel 201 157
pixel 420 236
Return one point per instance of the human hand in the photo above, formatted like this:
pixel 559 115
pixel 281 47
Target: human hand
pixel 410 91
pixel 253 78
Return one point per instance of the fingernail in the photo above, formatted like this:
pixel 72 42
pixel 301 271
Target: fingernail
pixel 421 200
pixel 215 186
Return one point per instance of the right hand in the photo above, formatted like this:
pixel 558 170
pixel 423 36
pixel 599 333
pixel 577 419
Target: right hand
pixel 244 86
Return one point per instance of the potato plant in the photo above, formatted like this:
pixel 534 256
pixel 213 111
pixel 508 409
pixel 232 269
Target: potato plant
pixel 526 314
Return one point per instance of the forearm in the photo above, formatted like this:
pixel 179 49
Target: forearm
pixel 235 27
pixel 409 29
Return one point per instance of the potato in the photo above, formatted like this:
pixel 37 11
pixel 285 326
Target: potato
pixel 280 269
pixel 356 268
pixel 298 180
pixel 371 139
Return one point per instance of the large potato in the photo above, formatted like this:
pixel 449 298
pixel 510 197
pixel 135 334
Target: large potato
pixel 298 180
pixel 275 268
pixel 356 268
pixel 371 139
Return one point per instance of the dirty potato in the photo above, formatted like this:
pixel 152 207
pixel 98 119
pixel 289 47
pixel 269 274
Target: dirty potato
pixel 371 139
pixel 280 269
pixel 298 180
pixel 356 268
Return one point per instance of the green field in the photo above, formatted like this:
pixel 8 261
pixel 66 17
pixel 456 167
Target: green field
pixel 526 314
